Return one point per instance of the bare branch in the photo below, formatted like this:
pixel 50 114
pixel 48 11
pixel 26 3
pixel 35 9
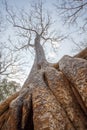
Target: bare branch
pixel 36 22
pixel 72 10
pixel 5 68
pixel 28 29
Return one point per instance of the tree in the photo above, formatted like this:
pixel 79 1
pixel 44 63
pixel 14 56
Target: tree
pixel 7 88
pixel 73 12
pixel 38 20
pixel 26 26
pixel 8 60
pixel 39 105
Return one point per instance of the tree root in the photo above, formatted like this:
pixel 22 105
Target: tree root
pixel 48 102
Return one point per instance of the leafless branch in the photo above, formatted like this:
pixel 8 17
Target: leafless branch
pixel 37 21
pixel 72 10
pixel 28 29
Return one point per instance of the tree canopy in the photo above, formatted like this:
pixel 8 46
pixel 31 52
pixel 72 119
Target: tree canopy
pixel 7 88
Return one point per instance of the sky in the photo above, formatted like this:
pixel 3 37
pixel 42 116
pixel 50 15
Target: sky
pixel 65 48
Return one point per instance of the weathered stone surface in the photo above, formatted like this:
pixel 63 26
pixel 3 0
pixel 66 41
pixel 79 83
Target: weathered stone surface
pixel 75 69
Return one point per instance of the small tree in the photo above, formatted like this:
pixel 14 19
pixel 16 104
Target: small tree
pixel 7 88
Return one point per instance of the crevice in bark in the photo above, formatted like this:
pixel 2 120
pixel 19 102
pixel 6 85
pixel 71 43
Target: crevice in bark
pixel 3 119
pixel 77 96
pixel 16 114
pixel 79 99
pixel 45 79
pixel 79 102
pixel 29 123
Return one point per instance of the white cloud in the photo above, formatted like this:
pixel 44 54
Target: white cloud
pixel 51 54
pixel 56 45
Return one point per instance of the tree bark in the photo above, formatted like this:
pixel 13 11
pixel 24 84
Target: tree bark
pixel 51 97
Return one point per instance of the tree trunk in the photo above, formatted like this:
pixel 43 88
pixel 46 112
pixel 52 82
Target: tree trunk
pixel 54 96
